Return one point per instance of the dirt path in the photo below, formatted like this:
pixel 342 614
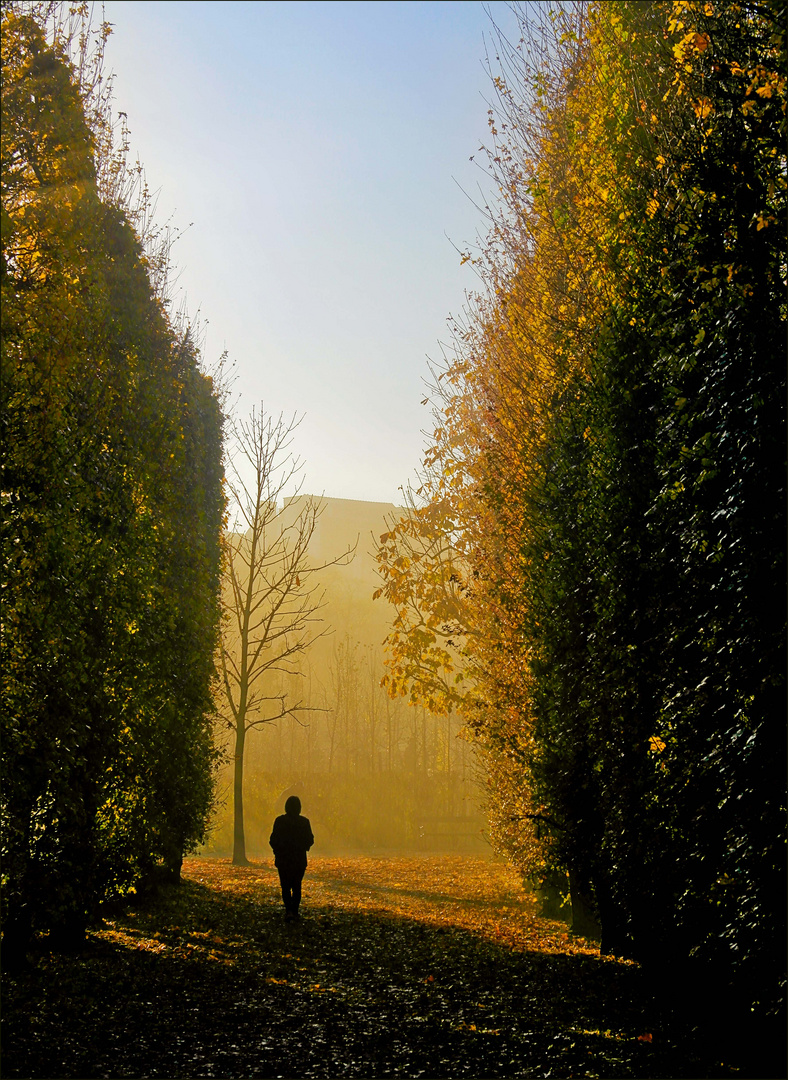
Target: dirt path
pixel 399 967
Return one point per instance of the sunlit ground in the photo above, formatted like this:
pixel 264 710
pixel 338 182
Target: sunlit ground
pixel 403 967
pixel 474 894
pixel 444 892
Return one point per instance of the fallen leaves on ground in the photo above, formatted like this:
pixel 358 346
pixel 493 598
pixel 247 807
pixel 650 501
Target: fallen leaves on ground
pixel 400 967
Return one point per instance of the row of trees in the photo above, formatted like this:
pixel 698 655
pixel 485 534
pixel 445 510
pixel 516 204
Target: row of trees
pixel 112 503
pixel 592 570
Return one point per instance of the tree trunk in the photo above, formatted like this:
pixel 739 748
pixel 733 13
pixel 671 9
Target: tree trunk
pixel 173 865
pixel 614 936
pixel 239 840
pixel 17 934
pixel 388 730
pixel 584 920
pixel 553 894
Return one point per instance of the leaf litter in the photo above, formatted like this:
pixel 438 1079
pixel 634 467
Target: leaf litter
pixel 400 967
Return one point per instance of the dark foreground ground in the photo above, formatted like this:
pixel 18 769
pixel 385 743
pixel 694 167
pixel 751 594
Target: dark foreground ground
pixel 399 967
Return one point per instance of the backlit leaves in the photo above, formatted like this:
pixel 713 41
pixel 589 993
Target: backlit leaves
pixel 113 503
pixel 609 467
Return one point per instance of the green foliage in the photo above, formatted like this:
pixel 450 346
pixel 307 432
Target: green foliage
pixel 654 602
pixel 112 489
pixel 619 409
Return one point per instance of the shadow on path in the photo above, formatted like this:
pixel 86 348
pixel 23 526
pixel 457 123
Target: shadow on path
pixel 212 984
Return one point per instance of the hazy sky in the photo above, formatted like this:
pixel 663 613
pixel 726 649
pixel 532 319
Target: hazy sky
pixel 321 151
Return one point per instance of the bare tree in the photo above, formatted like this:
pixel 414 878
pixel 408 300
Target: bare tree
pixel 271 597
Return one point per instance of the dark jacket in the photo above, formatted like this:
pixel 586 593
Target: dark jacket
pixel 291 839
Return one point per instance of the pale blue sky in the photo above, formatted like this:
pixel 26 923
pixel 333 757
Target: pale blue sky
pixel 320 150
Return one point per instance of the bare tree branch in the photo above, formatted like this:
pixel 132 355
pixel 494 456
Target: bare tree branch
pixel 271 595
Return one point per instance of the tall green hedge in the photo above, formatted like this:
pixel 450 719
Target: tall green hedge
pixel 112 509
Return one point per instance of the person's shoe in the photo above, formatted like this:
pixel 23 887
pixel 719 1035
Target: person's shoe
pixel 289 916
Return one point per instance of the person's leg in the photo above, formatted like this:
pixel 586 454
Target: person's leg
pixel 296 886
pixel 287 890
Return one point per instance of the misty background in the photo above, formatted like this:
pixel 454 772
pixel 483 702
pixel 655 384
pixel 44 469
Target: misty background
pixel 374 774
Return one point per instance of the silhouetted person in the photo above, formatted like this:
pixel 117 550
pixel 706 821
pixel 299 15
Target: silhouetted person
pixel 291 839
